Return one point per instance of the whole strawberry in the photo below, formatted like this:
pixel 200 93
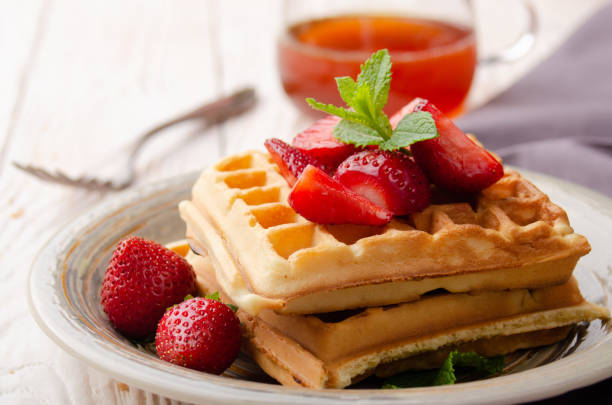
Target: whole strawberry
pixel 200 333
pixel 143 278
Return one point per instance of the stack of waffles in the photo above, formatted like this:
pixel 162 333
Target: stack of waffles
pixel 327 305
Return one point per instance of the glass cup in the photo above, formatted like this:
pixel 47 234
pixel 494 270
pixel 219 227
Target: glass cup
pixel 432 46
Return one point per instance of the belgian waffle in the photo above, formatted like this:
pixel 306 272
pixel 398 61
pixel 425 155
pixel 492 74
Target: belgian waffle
pixel 268 256
pixel 323 351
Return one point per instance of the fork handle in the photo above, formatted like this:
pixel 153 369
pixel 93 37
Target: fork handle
pixel 214 112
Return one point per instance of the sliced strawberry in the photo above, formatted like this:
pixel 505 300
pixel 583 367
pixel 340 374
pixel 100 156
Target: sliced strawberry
pixel 452 161
pixel 321 199
pixel 389 179
pixel 290 161
pixel 319 142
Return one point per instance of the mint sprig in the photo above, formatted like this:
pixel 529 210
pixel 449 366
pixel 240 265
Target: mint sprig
pixel 478 365
pixel 364 122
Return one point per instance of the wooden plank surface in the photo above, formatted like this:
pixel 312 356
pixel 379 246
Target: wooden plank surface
pixel 80 80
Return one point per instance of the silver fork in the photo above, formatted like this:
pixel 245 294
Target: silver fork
pixel 213 112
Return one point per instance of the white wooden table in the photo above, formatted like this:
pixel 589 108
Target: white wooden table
pixel 80 79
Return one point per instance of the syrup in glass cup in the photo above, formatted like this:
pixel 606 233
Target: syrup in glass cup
pixel 432 59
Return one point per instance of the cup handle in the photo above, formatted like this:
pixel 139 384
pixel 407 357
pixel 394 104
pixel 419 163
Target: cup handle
pixel 522 45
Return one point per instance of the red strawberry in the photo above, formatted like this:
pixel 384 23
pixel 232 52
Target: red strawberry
pixel 319 142
pixel 200 333
pixel 452 161
pixel 319 198
pixel 143 278
pixel 290 161
pixel 389 179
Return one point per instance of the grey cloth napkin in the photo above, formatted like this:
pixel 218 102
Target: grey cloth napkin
pixel 558 118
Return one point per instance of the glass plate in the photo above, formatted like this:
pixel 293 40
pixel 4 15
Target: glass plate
pixel 66 275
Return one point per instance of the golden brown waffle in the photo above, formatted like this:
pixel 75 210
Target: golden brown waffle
pixel 335 350
pixel 268 256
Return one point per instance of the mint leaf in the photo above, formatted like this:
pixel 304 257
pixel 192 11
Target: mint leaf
pixel 383 123
pixel 376 72
pixel 376 120
pixel 362 103
pixel 213 296
pixel 233 307
pixel 338 111
pixel 358 134
pixel 415 127
pixel 347 88
pixel 446 374
pixel 482 367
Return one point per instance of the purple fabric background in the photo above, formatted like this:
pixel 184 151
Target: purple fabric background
pixel 558 118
